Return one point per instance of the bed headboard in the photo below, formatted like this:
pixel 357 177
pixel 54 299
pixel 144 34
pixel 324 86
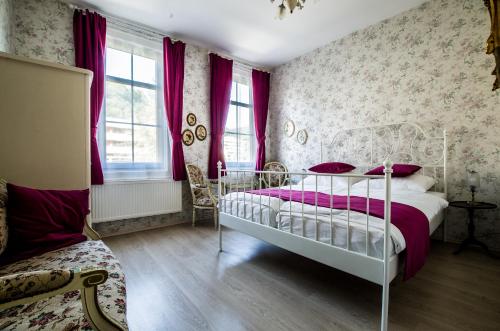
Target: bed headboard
pixel 401 143
pixel 44 117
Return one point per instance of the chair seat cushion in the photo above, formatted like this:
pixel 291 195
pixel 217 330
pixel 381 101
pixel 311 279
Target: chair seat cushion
pixel 65 312
pixel 202 197
pixel 204 201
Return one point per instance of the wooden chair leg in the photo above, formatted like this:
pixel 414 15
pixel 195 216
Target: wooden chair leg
pixel 194 215
pixel 215 218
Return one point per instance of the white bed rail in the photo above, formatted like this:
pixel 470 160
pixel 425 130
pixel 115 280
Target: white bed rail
pixel 380 270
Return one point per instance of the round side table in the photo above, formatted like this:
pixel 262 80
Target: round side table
pixel 471 207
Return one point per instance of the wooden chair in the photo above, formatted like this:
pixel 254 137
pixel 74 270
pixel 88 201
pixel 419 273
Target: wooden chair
pixel 203 198
pixel 274 180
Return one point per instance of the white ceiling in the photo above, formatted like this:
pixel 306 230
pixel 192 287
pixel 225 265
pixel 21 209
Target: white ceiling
pixel 248 29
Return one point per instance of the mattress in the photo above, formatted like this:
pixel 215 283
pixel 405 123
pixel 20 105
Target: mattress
pixel 301 219
pixel 292 218
pixel 252 207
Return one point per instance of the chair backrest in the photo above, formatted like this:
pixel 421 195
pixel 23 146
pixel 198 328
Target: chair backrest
pixel 195 175
pixel 274 180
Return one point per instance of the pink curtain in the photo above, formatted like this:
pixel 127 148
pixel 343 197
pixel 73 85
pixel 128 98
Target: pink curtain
pixel 89 31
pixel 260 88
pixel 221 76
pixel 173 64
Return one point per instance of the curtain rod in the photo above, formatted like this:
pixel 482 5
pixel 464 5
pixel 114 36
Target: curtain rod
pixel 239 62
pixel 156 34
pixel 121 22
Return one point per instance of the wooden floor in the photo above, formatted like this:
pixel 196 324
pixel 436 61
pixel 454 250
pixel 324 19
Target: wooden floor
pixel 176 280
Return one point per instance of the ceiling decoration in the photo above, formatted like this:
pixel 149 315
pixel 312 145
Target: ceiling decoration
pixel 288 5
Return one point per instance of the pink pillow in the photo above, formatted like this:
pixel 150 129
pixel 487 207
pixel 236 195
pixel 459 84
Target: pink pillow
pixel 43 220
pixel 332 168
pixel 399 170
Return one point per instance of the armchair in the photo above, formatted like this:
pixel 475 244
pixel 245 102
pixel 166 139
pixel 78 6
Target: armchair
pixel 64 289
pixel 274 180
pixel 203 198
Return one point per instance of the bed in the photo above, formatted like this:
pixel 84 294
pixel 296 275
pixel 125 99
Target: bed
pixel 362 230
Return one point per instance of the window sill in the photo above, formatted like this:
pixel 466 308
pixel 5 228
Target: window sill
pixel 136 180
pixel 136 176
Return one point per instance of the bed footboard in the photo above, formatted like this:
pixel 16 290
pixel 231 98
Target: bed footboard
pixel 377 270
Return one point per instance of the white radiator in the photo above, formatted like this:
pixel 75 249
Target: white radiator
pixel 122 200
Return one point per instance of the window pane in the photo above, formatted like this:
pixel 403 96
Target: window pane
pixel 231 124
pixel 118 63
pixel 243 93
pixel 145 144
pixel 246 152
pixel 245 118
pixel 230 147
pixel 118 142
pixel 145 111
pixel 144 70
pixel 118 102
pixel 233 92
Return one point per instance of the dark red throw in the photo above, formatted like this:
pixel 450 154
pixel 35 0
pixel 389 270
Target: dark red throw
pixel 412 222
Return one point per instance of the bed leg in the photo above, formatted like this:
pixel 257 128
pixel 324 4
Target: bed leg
pixel 220 237
pixel 194 216
pixel 385 307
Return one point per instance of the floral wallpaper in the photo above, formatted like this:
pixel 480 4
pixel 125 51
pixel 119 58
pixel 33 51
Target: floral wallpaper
pixel 6 21
pixel 197 101
pixel 426 65
pixel 44 30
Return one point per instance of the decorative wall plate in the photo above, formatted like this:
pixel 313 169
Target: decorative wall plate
pixel 201 132
pixel 302 137
pixel 187 137
pixel 289 128
pixel 191 119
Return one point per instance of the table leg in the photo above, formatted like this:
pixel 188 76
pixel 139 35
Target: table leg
pixel 471 239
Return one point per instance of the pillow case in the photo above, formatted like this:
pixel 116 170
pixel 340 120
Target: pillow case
pixel 415 183
pixel 398 170
pixel 325 181
pixel 332 168
pixel 43 220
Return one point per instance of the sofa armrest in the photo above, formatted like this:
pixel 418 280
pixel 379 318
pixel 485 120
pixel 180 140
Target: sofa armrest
pixel 18 286
pixel 89 231
pixel 25 288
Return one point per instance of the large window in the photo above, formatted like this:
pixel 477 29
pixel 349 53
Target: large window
pixel 239 136
pixel 132 123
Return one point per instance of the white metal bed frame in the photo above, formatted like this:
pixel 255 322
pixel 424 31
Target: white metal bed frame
pixel 380 271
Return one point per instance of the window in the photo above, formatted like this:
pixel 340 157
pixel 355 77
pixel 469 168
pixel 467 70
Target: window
pixel 132 122
pixel 239 135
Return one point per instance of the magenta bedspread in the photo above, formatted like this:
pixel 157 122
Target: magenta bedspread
pixel 412 222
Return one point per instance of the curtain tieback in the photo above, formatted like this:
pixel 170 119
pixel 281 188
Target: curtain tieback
pixel 261 140
pixel 176 137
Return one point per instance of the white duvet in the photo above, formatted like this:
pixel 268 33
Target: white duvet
pixel 285 215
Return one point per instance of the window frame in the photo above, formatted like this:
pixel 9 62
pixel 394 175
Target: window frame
pixel 237 133
pixel 137 170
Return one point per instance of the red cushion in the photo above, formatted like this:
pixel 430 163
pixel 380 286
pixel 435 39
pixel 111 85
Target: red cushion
pixel 43 220
pixel 332 168
pixel 399 170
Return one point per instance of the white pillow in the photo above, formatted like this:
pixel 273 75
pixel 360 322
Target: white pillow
pixel 338 182
pixel 415 183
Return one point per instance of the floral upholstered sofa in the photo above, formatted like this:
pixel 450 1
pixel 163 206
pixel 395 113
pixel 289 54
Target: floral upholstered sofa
pixel 79 287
